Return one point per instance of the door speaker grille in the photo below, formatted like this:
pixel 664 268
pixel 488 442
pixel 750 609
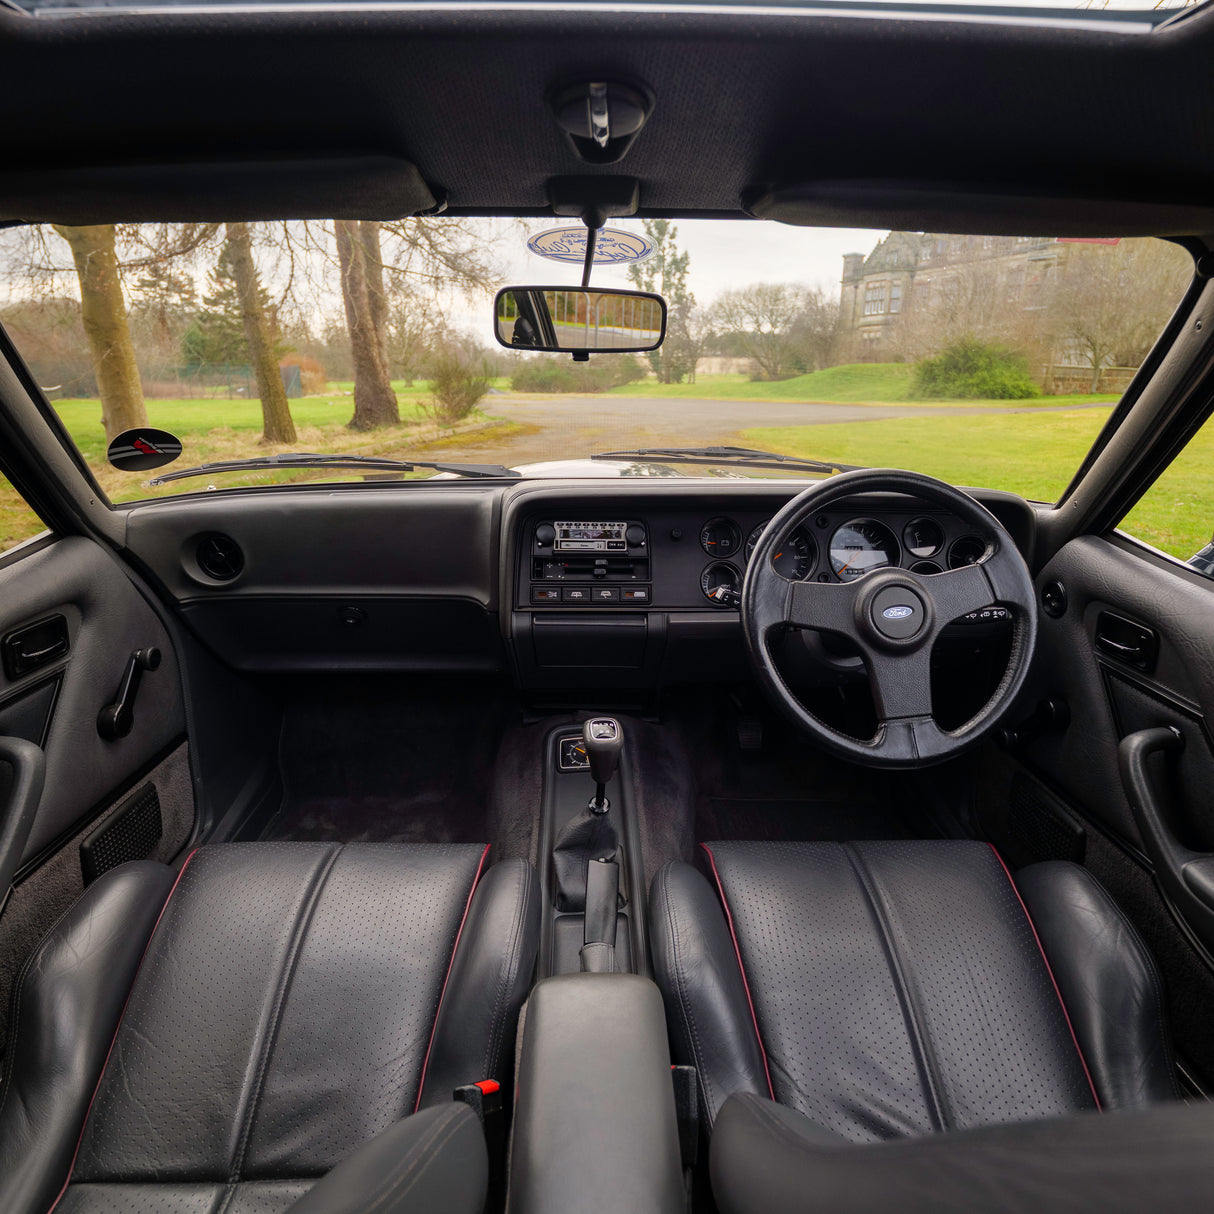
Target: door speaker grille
pixel 131 834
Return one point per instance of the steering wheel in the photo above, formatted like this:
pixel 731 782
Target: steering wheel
pixel 894 617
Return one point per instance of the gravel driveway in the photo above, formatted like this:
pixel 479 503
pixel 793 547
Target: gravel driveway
pixel 567 427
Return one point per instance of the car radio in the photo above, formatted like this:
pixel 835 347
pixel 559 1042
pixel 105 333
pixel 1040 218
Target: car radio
pixel 589 563
pixel 590 537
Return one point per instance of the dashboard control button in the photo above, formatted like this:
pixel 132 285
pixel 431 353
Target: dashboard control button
pixel 576 594
pixel 636 594
pixel 545 594
pixel 605 594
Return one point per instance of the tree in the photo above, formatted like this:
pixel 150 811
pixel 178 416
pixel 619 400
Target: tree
pixel 277 425
pixel 362 288
pixel 816 329
pixel 217 334
pixel 411 329
pixel 103 310
pixel 666 273
pixel 688 329
pixel 1109 303
pixel 761 320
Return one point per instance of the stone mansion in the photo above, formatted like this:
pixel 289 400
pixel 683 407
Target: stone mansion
pixel 907 269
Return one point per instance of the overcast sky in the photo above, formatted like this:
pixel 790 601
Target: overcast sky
pixel 725 253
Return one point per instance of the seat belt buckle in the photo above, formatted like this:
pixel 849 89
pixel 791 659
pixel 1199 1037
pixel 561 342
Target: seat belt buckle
pixel 484 1098
pixel 687 1110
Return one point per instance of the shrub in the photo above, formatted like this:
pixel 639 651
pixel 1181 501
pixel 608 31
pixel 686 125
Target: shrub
pixel 562 374
pixel 457 383
pixel 973 370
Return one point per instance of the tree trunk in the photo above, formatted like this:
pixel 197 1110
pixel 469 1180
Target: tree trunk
pixel 362 290
pixel 277 424
pixel 103 311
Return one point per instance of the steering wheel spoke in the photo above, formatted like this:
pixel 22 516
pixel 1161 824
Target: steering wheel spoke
pixel 959 591
pixel 901 683
pixel 829 606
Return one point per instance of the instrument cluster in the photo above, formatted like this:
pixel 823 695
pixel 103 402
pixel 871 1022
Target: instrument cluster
pixel 837 546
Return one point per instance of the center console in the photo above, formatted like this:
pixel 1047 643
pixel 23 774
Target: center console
pixel 595 1127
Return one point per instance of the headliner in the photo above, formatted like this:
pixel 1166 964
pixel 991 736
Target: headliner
pixel 746 102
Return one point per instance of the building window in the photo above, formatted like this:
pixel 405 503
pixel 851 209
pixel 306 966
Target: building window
pixel 874 298
pixel 894 257
pixel 895 297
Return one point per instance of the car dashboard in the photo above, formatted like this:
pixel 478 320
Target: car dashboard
pixel 568 585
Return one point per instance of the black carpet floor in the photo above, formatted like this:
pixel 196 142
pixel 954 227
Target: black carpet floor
pixel 389 760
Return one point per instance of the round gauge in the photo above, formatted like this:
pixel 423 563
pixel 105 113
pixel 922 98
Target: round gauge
pixel 794 558
pixel 925 567
pixel 859 547
pixel 968 550
pixel 722 585
pixel 720 537
pixel 753 538
pixel 923 537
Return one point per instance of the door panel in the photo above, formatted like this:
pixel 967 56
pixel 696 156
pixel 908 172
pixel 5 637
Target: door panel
pixel 101 801
pixel 1074 775
pixel 1110 695
pixel 107 619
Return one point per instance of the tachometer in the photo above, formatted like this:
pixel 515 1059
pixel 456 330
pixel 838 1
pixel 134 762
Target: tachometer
pixel 793 558
pixel 861 546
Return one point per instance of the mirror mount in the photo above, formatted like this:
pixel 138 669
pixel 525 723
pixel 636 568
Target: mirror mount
pixel 594 219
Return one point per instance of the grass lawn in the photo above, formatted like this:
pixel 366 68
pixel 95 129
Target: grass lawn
pixel 209 426
pixel 229 429
pixel 855 384
pixel 1033 454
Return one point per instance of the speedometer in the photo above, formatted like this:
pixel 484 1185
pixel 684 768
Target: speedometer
pixel 860 546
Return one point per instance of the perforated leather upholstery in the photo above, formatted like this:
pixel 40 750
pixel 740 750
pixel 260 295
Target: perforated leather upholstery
pixel 885 989
pixel 286 1012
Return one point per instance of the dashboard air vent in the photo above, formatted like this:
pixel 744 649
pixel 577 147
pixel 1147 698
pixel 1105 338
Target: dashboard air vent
pixel 219 557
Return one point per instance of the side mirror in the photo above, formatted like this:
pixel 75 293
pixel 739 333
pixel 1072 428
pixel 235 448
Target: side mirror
pixel 579 320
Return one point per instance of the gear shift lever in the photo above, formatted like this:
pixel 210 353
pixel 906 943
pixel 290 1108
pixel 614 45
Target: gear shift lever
pixel 604 740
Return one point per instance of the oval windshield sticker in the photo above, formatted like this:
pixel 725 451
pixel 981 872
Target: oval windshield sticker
pixel 613 248
pixel 143 448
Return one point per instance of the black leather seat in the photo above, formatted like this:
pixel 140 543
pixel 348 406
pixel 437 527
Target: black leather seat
pixel 219 1039
pixel 837 994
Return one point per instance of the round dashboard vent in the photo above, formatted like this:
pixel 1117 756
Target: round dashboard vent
pixel 219 557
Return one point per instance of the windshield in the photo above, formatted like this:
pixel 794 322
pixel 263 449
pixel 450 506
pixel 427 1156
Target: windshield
pixel 988 361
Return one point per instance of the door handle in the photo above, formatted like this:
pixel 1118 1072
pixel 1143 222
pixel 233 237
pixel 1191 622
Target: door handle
pixel 1186 876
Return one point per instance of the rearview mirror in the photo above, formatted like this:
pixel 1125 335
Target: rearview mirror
pixel 579 320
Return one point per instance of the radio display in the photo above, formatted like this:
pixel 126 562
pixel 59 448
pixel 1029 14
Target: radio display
pixel 590 537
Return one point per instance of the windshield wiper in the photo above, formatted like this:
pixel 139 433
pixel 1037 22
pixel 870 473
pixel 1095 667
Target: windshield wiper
pixel 307 459
pixel 738 457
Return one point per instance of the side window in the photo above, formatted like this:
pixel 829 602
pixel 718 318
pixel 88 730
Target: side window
pixel 1176 514
pixel 17 521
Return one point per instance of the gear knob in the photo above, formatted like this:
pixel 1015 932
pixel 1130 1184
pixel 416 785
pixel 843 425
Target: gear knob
pixel 604 740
